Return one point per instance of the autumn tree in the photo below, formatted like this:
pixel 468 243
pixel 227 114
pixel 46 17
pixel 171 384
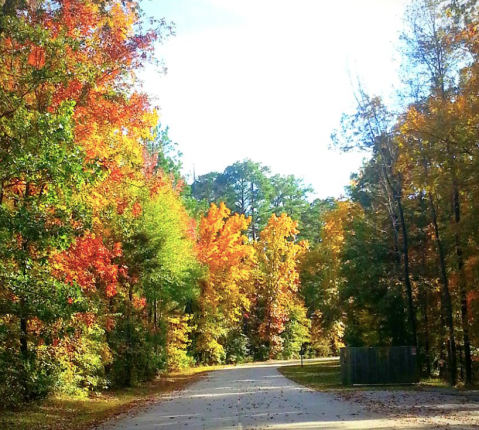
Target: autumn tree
pixel 322 279
pixel 432 128
pixel 224 297
pixel 66 93
pixel 276 281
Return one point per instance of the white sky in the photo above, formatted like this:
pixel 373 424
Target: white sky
pixel 269 80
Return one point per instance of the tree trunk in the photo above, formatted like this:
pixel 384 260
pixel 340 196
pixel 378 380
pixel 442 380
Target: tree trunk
pixel 253 227
pixel 445 296
pixel 443 354
pixel 424 292
pixel 397 195
pixel 407 280
pixel 427 352
pixel 129 346
pixel 462 285
pixel 447 304
pixel 23 338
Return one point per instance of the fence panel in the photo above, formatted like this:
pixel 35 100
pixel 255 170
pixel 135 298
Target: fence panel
pixel 381 365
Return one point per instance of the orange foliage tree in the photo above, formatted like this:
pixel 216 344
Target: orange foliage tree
pixel 72 123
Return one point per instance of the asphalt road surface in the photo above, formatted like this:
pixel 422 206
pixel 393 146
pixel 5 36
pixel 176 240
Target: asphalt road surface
pixel 255 397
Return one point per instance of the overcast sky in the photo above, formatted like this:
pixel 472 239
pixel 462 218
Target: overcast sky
pixel 269 80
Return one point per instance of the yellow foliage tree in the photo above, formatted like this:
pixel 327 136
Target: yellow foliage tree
pixel 277 278
pixel 322 278
pixel 177 342
pixel 224 249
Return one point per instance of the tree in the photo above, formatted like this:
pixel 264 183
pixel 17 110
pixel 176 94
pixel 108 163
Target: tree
pixel 322 278
pixel 224 296
pixel 247 192
pixel 371 128
pixel 249 189
pixel 276 279
pixel 434 52
pixel 209 188
pixel 65 94
pixel 290 195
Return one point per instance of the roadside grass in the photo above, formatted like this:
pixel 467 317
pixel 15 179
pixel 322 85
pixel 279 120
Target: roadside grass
pixel 79 413
pixel 321 376
pixel 325 375
pixel 433 383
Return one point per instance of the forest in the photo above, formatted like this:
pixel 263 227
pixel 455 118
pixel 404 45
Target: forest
pixel 113 268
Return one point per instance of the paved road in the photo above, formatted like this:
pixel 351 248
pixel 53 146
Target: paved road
pixel 254 397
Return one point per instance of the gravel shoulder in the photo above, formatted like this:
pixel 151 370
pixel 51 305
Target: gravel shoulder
pixel 427 408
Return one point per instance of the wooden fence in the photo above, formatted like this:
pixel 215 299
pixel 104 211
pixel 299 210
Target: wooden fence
pixel 378 366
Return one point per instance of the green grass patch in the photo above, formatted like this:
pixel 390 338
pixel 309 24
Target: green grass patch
pixel 321 376
pixel 72 413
